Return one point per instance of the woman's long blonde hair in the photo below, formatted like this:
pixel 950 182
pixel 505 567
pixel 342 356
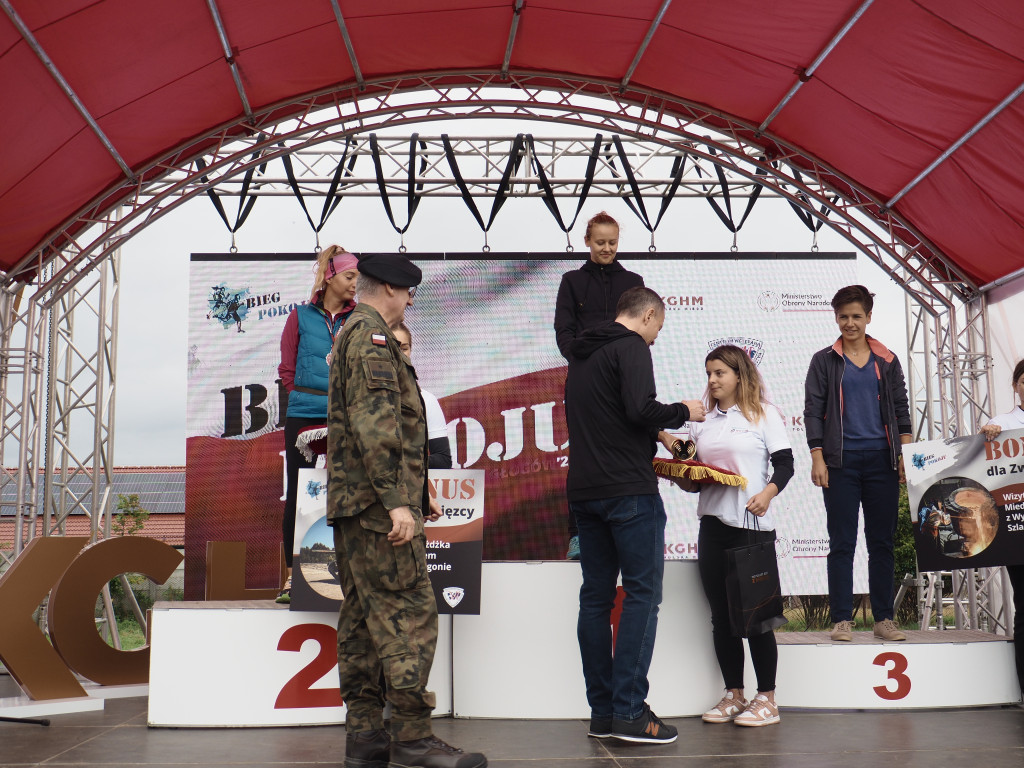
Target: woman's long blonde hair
pixel 750 391
pixel 320 272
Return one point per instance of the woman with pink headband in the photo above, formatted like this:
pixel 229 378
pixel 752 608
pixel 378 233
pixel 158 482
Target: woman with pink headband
pixel 306 345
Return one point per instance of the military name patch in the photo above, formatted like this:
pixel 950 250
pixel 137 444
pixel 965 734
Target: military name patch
pixel 379 340
pixel 380 371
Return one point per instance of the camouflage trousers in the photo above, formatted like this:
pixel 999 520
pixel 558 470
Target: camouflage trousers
pixel 387 623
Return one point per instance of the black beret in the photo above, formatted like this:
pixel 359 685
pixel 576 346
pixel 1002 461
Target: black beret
pixel 392 268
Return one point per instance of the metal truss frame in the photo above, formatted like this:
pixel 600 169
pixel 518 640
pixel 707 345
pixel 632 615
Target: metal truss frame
pixel 948 308
pixel 950 394
pixel 61 357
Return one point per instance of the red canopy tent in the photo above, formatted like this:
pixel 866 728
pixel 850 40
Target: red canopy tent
pixel 913 103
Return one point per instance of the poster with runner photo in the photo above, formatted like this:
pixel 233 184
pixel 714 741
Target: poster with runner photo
pixel 967 501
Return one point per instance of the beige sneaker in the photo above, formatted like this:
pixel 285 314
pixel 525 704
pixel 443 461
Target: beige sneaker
pixel 760 711
pixel 842 631
pixel 886 629
pixel 726 710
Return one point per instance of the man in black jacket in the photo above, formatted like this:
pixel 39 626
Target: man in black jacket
pixel 614 416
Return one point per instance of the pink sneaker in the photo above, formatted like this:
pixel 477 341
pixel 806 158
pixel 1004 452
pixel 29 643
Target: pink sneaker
pixel 760 711
pixel 726 710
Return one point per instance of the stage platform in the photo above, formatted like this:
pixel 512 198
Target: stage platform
pixel 251 665
pixel 914 637
pixel 117 737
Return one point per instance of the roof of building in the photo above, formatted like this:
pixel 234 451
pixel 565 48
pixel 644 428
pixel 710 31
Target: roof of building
pixel 914 104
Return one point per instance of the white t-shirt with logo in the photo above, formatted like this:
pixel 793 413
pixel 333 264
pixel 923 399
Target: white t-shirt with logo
pixel 728 440
pixel 1012 420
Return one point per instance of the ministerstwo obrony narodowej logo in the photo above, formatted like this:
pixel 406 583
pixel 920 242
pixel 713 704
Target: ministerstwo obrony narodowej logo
pixel 769 301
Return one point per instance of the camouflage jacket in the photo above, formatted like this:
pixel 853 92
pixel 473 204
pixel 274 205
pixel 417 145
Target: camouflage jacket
pixel 376 422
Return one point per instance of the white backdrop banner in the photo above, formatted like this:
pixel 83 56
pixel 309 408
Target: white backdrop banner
pixel 484 344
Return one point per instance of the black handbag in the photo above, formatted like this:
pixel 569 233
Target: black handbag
pixel 753 589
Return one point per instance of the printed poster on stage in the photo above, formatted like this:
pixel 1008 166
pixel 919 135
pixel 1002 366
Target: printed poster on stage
pixel 967 501
pixel 484 344
pixel 454 545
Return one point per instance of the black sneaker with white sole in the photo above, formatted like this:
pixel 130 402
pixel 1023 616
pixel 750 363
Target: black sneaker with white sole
pixel 600 727
pixel 646 729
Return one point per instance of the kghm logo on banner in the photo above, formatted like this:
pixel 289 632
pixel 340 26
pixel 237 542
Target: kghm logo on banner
pixel 683 302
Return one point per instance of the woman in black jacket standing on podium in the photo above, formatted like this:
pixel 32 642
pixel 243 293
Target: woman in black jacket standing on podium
pixel 587 298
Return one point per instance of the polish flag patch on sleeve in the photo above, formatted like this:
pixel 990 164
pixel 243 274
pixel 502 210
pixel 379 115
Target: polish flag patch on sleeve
pixel 379 340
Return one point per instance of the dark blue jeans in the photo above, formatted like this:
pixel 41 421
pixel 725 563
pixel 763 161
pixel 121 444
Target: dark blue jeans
pixel 624 534
pixel 866 479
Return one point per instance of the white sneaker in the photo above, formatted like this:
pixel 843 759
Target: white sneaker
pixel 726 710
pixel 760 711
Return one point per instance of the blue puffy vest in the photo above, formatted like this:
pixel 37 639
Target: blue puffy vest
pixel 311 369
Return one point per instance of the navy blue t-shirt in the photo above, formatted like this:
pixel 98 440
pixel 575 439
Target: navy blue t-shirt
pixel 862 418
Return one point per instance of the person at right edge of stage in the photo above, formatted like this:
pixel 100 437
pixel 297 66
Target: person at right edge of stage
pixel 856 413
pixel 587 297
pixel 1014 420
pixel 376 500
pixel 614 416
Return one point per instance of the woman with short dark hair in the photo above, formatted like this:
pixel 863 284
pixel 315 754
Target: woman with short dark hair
pixel 856 415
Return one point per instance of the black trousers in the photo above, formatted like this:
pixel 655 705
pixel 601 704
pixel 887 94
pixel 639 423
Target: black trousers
pixel 294 461
pixel 1016 574
pixel 714 538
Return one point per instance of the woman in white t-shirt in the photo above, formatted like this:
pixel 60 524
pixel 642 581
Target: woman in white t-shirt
pixel 744 434
pixel 1014 420
pixel 438 447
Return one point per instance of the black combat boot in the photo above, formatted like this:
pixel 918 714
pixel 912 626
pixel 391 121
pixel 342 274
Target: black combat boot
pixel 367 749
pixel 431 752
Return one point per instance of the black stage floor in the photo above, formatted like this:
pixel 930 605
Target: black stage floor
pixel 118 737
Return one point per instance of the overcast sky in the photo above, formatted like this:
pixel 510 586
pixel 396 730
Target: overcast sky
pixel 152 350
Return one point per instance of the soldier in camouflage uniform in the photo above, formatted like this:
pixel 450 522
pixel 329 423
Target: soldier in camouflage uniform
pixel 376 500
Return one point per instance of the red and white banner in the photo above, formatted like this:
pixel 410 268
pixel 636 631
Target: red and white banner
pixel 484 344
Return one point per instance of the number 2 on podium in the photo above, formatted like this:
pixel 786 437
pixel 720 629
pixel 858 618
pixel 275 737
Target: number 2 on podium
pixel 298 692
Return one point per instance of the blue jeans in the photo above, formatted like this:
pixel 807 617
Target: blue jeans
pixel 624 534
pixel 866 479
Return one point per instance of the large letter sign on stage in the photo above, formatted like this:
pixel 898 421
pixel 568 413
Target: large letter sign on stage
pixel 71 612
pixel 32 661
pixel 42 670
pixel 225 573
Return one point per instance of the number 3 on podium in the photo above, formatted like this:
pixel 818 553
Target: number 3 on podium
pixel 897 673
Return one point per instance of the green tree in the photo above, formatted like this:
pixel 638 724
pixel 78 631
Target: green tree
pixel 130 517
pixel 905 556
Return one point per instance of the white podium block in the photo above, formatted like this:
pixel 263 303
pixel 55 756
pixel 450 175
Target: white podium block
pixel 520 656
pixel 218 666
pixel 922 672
